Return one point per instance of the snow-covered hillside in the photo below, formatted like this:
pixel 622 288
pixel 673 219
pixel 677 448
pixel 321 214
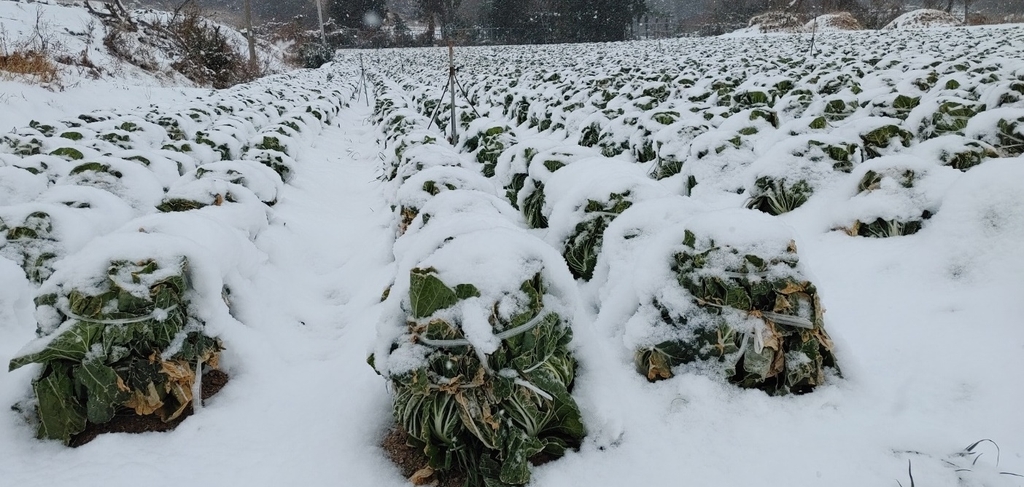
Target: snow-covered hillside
pixel 139 47
pixel 593 192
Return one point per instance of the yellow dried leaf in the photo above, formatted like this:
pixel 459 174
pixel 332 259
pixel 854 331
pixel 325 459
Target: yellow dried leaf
pixel 177 371
pixel 782 305
pixel 478 379
pixel 656 373
pixel 144 403
pixel 770 336
pixel 218 200
pixel 794 287
pixel 212 358
pixel 778 364
pixel 121 386
pixel 423 476
pixel 852 230
pixel 489 418
pixel 184 397
pixel 823 339
pixel 819 310
pixel 452 386
pixel 657 368
pixel 180 379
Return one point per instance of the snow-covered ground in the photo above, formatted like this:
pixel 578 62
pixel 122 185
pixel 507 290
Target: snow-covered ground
pixel 927 326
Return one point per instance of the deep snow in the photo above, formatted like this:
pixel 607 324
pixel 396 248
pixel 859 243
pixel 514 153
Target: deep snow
pixel 928 328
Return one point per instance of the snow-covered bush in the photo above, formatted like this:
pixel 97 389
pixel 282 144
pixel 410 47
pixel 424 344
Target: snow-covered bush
pixel 837 22
pixel 895 195
pixel 260 179
pixel 583 199
pixel 424 185
pixel 61 221
pixel 477 353
pixel 315 54
pixel 923 19
pixel 738 306
pixel 1003 128
pixel 486 140
pixel 128 180
pixel 775 21
pixel 530 199
pixel 786 176
pixel 125 338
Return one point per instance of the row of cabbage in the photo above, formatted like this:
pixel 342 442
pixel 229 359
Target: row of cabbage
pixel 572 195
pixel 726 126
pixel 615 154
pixel 738 308
pixel 888 118
pixel 136 226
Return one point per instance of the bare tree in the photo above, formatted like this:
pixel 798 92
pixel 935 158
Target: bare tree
pixel 881 12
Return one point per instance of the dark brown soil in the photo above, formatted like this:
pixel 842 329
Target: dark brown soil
pixel 126 421
pixel 409 459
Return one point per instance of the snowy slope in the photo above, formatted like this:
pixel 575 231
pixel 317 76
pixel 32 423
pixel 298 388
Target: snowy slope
pixel 77 42
pixel 926 326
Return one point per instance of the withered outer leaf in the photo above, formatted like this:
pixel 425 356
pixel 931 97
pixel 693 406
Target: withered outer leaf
pixel 180 379
pixel 423 476
pixel 147 402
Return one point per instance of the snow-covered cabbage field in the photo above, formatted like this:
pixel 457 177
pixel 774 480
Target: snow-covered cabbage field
pixel 775 265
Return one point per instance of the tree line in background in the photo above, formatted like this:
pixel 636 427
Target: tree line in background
pixel 498 21
pixel 385 23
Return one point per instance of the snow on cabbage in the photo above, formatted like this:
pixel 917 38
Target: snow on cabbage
pixel 647 189
pixel 136 226
pixel 615 156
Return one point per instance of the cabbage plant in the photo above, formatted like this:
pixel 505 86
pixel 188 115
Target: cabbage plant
pixel 125 342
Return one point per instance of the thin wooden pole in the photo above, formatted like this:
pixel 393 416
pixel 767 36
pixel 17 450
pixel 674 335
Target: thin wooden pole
pixel 362 79
pixel 320 15
pixel 451 87
pixel 249 34
pixel 814 33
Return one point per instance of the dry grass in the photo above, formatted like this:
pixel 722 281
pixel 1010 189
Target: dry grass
pixel 925 18
pixel 976 18
pixel 31 64
pixel 837 21
pixel 776 21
